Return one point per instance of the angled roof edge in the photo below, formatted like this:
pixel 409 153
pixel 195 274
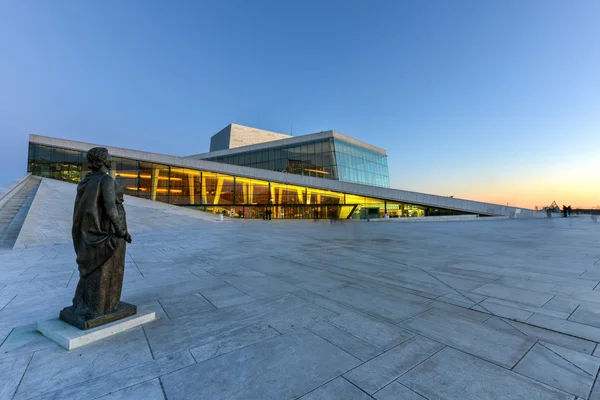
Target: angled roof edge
pixel 403 196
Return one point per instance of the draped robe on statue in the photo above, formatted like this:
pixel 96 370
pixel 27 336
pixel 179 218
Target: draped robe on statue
pixel 99 227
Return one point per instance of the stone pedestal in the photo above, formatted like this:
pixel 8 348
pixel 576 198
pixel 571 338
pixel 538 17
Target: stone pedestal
pixel 124 310
pixel 70 337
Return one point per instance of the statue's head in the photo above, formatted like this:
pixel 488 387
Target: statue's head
pixel 98 157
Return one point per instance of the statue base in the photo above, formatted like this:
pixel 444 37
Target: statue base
pixel 71 337
pixel 124 310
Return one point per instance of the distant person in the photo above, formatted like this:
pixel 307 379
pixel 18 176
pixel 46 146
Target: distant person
pixel 564 211
pixel 569 209
pixel 333 218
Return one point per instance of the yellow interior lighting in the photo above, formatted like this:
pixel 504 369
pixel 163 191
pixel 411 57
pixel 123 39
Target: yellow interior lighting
pixel 161 178
pixel 166 190
pixel 316 171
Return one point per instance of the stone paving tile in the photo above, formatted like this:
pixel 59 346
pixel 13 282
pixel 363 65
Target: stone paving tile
pixel 461 284
pixel 24 340
pixel 477 339
pixel 121 379
pixel 350 344
pixel 397 391
pixel 501 310
pixel 383 369
pixel 381 305
pixel 471 274
pixel 181 306
pixel 575 293
pixel 462 312
pixel 339 388
pixel 561 368
pixel 225 295
pixel 28 309
pixel 54 368
pixel 526 308
pixel 223 343
pixel 586 315
pixel 377 333
pixel 260 287
pixel 523 330
pixel 574 282
pixel 465 300
pixel 562 304
pixel 11 371
pixel 149 390
pixel 323 302
pixel 299 317
pixel 185 333
pixel 595 393
pixel 568 327
pixel 284 367
pixel 3 335
pixel 510 293
pixel 452 374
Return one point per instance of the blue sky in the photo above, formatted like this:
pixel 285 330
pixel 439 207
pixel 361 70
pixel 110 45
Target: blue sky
pixel 495 101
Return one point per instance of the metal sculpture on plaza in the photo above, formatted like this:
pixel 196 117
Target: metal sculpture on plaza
pixel 99 238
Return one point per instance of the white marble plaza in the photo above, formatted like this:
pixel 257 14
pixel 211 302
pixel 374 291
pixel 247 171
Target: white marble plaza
pixel 497 309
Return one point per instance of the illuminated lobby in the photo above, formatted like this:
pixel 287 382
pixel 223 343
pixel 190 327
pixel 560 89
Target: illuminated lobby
pixel 306 180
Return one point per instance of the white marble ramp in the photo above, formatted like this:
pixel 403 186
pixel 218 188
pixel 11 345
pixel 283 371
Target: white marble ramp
pixel 504 309
pixel 49 219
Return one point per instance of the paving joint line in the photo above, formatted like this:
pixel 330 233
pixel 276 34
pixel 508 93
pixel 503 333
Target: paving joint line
pixel 457 291
pixel 356 337
pixel 162 388
pixel 551 300
pixel 70 279
pixel 347 352
pixel 572 312
pixel 22 376
pixel 138 268
pixel 487 319
pixel 269 326
pixel 4 340
pixel 323 384
pixel 6 305
pixel 163 308
pixel 209 302
pixel 593 385
pixel 148 343
pixel 525 355
pixel 192 354
pixel 569 361
pixel 407 371
pixel 355 385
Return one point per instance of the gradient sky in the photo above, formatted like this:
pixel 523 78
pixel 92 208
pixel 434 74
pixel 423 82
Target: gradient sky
pixel 489 100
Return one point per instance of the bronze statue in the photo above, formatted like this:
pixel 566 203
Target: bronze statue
pixel 99 236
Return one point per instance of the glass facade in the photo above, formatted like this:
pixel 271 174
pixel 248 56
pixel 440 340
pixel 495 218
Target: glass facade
pixel 359 165
pixel 329 159
pixel 233 196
